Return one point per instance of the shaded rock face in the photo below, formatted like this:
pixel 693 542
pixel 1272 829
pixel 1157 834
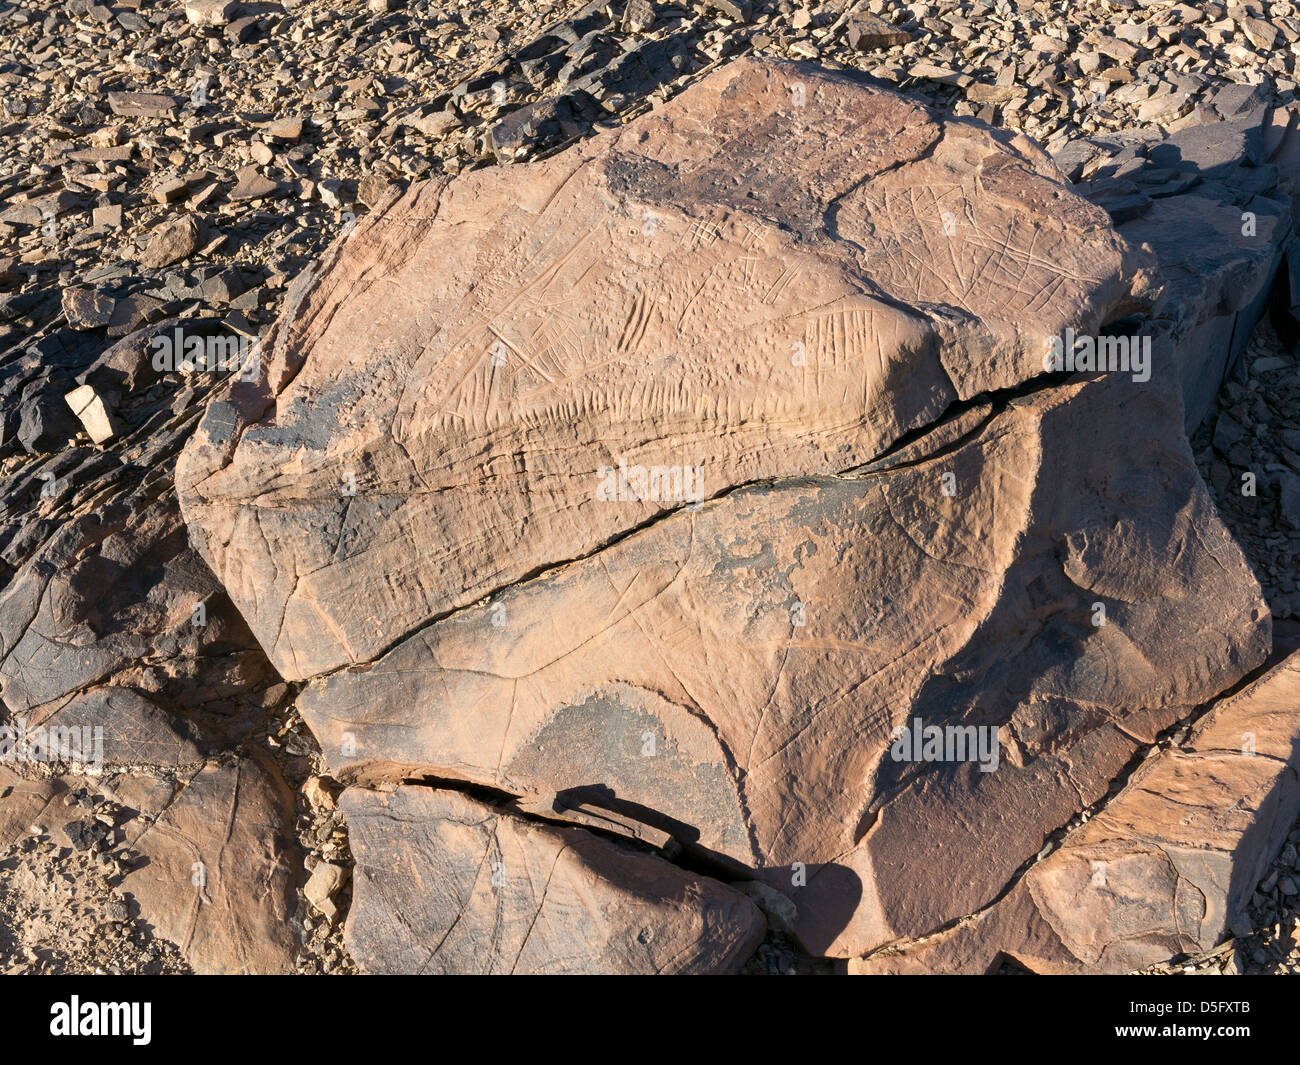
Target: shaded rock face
pixel 112 591
pixel 1166 868
pixel 737 289
pixel 705 473
pixel 99 585
pixel 514 896
pixel 1213 203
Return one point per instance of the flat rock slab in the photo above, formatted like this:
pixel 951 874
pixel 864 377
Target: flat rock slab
pixel 447 884
pixel 1166 868
pixel 219 867
pixel 142 104
pixel 23 803
pixel 779 273
pixel 117 727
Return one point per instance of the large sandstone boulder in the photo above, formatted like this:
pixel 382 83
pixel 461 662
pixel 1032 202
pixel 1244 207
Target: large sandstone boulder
pixel 699 474
pixel 741 669
pixel 780 274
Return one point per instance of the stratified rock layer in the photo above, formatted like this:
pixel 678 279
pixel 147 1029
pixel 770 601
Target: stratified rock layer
pixel 127 674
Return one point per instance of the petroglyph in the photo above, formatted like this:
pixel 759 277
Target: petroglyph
pixel 620 302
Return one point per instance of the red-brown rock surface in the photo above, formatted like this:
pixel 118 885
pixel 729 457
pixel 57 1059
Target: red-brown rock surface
pixel 806 318
pixel 219 870
pixel 778 275
pixel 740 669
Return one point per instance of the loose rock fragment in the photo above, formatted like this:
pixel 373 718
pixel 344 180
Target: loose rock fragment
pixel 638 16
pixel 210 12
pixel 89 406
pixel 252 185
pixel 171 242
pixel 150 105
pixel 325 882
pixel 87 309
pixel 867 33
